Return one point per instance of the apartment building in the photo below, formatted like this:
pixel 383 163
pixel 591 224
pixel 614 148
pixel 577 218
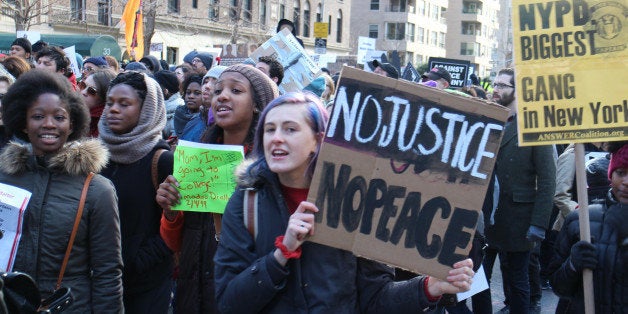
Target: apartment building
pixel 181 26
pixel 415 28
pixel 473 33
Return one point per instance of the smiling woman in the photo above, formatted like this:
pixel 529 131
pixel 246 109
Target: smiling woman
pixel 53 164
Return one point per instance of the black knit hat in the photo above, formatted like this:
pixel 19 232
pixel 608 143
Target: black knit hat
pixel 264 89
pixel 167 80
pixel 24 43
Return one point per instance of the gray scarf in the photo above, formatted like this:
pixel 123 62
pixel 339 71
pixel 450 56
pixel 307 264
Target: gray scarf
pixel 132 146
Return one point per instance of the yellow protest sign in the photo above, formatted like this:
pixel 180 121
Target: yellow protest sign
pixel 571 70
pixel 321 29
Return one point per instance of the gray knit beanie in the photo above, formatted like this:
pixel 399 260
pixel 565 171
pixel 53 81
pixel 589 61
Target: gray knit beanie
pixel 264 89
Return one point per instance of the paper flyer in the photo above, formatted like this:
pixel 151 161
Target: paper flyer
pixel 13 202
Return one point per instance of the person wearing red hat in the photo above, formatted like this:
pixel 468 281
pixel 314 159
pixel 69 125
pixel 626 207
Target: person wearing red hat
pixel 607 256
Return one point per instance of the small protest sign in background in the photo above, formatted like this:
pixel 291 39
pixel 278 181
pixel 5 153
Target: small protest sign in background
pixel 458 69
pixel 206 175
pixel 403 171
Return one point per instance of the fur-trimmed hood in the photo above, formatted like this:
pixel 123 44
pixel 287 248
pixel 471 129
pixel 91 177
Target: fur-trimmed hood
pixel 247 177
pixel 75 158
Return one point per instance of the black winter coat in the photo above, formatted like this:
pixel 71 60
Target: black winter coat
pixel 323 280
pixel 610 279
pixel 147 260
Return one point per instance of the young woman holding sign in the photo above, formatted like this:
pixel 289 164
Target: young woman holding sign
pixel 269 267
pixel 240 95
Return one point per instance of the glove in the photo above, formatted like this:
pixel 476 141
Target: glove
pixel 583 255
pixel 535 234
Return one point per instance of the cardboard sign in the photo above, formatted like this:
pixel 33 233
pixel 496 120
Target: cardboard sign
pixel 403 171
pixel 299 69
pixel 234 53
pixel 571 71
pixel 206 175
pixel 459 69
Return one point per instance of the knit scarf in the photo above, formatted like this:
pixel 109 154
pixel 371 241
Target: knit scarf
pixel 132 146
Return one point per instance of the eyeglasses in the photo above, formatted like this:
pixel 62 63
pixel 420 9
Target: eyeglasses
pixel 90 89
pixel 89 69
pixel 501 85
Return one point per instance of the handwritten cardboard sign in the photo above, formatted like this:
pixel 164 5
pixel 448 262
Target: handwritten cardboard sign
pixel 571 70
pixel 206 175
pixel 403 171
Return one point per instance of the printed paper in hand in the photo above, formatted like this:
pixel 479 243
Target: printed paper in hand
pixel 13 202
pixel 478 285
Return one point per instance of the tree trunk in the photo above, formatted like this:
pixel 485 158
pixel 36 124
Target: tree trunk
pixel 149 24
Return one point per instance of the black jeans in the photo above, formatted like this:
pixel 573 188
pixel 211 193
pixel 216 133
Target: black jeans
pixel 516 280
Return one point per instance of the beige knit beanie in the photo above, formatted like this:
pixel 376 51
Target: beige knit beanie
pixel 264 89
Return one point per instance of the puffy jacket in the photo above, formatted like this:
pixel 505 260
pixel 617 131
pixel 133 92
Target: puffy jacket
pixel 94 270
pixel 610 278
pixel 323 280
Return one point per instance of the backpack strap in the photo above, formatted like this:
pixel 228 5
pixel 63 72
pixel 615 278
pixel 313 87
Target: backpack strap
pixel 154 169
pixel 250 211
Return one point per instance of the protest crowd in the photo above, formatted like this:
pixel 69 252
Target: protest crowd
pixel 106 140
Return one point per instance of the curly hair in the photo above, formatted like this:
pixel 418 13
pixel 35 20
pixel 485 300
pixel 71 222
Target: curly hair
pixel 189 80
pixel 56 54
pixel 275 67
pixel 133 79
pixel 22 95
pixel 16 66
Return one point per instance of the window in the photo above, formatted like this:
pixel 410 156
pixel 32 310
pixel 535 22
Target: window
pixel 233 10
pixel 374 5
pixel 470 28
pixel 373 31
pixel 319 13
pixel 421 35
pixel 329 21
pixel 296 16
pixel 395 31
pixel 214 10
pixel 420 5
pixel 78 9
pixel 472 7
pixel 262 12
pixel 435 12
pixel 247 15
pixel 410 32
pixel 397 6
pixel 441 40
pixel 470 49
pixel 171 55
pixel 306 20
pixel 433 39
pixel 282 11
pixel 339 27
pixel 104 9
pixel 173 6
pixel 194 4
